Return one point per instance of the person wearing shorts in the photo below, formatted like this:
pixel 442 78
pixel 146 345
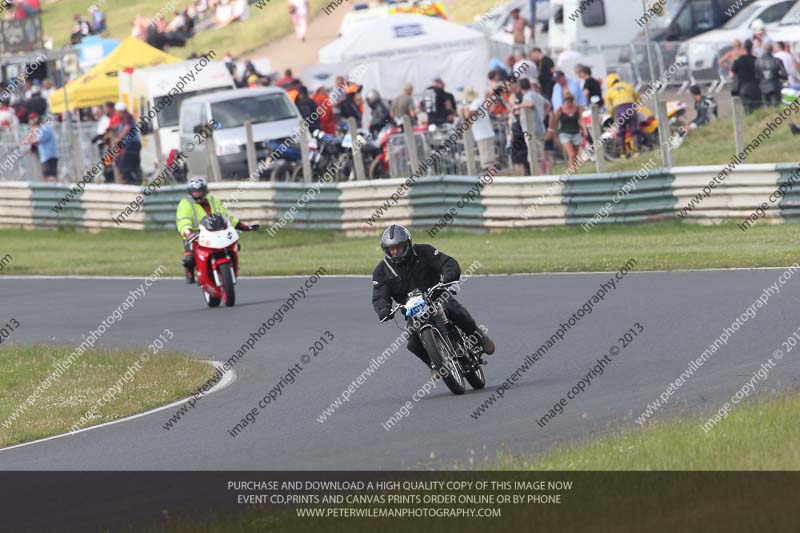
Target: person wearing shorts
pixel 571 129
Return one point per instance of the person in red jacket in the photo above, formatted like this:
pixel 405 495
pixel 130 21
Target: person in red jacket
pixel 327 119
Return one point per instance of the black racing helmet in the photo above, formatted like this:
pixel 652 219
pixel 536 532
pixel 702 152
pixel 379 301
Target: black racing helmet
pixel 396 244
pixel 197 184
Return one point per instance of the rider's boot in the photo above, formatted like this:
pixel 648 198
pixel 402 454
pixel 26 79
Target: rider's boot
pixel 190 276
pixel 487 344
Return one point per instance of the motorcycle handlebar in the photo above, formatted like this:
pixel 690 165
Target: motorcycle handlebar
pixel 429 293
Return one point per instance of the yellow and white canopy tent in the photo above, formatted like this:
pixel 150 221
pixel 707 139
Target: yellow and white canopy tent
pixel 101 84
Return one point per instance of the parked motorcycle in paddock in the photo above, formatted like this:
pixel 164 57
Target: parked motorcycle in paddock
pixel 454 356
pixel 216 254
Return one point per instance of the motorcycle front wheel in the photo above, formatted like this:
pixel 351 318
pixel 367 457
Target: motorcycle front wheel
pixel 443 360
pixel 211 301
pixel 228 288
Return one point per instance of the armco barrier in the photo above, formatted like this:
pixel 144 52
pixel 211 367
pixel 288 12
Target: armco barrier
pixel 505 202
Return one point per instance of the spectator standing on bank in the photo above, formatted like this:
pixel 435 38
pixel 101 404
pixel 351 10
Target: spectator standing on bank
pixel 516 135
pixel 563 85
pixel 736 51
pixel 784 53
pixel 571 129
pixel 102 140
pixel 298 11
pixel 592 92
pixel 46 146
pixel 327 119
pixel 307 108
pixel 8 118
pixel 482 129
pixel 771 75
pixel 130 164
pixel 760 37
pixel 403 105
pixel 745 83
pixel 524 68
pixel 518 25
pixel 286 80
pixel 436 104
pixel 37 103
pixel 532 99
pixel 546 66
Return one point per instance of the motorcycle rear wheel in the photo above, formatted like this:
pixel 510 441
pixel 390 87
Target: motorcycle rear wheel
pixel 444 362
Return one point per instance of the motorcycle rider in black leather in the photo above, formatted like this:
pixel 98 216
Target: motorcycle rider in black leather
pixel 407 266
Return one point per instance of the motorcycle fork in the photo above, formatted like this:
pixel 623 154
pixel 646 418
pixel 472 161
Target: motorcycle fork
pixel 445 325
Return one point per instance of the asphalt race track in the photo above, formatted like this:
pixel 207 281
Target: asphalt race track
pixel 681 312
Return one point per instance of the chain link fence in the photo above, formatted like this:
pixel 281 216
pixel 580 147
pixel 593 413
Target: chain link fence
pixel 76 152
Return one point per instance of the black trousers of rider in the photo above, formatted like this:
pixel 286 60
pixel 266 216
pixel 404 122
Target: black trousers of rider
pixel 460 317
pixel 188 256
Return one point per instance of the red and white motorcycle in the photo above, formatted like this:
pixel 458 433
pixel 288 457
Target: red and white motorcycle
pixel 216 254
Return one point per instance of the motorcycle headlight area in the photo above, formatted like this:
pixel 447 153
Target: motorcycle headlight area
pixel 415 306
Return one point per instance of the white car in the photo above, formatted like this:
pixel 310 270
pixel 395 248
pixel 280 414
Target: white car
pixel 703 51
pixel 788 29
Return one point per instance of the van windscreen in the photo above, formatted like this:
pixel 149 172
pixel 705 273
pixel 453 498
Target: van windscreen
pixel 664 15
pixel 168 114
pixel 258 109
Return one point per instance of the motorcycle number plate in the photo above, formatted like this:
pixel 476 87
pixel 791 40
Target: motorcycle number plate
pixel 415 306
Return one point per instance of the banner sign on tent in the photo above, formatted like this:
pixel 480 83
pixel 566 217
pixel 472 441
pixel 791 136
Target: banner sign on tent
pixel 408 30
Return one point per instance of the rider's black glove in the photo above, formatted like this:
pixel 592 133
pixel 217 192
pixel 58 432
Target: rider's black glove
pixel 384 314
pixel 449 278
pixel 241 226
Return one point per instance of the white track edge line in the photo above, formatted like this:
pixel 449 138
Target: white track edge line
pixel 227 378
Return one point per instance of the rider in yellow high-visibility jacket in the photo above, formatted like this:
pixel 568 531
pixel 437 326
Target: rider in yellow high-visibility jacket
pixel 191 211
pixel 620 99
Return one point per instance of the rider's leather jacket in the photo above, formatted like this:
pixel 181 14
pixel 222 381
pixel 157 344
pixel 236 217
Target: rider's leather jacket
pixel 426 267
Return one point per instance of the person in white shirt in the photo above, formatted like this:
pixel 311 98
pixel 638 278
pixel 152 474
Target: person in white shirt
pixel 524 68
pixel 760 37
pixel 783 53
pixel 8 119
pixel 298 10
pixel 474 110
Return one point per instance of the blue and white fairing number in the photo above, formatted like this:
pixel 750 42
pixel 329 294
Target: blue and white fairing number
pixel 415 306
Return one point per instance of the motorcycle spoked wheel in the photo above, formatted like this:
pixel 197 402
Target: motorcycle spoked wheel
pixel 443 360
pixel 476 378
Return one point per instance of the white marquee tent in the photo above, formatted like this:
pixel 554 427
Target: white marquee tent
pixel 387 53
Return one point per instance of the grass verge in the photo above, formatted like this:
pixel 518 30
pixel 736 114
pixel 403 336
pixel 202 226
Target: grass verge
pixel 657 246
pixel 758 435
pixel 163 378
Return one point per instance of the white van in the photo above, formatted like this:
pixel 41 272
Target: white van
pixel 276 127
pixel 146 89
pixel 596 23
